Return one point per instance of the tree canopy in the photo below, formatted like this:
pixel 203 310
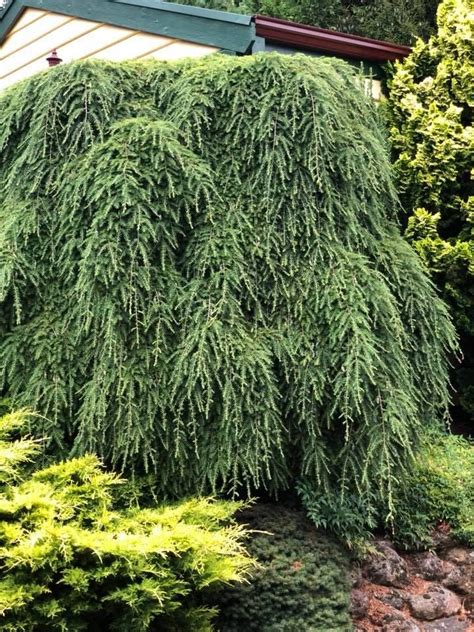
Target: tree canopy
pixel 201 274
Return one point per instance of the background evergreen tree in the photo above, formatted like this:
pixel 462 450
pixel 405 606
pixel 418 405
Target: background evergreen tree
pixel 394 20
pixel 201 275
pixel 430 119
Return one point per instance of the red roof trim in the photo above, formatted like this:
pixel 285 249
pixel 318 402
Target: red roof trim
pixel 326 41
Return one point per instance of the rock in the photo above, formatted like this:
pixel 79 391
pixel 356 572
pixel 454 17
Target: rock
pixel 394 599
pixel 359 605
pixel 398 623
pixel 459 556
pixel 441 538
pixel 436 603
pixel 386 567
pixel 451 624
pixel 429 566
pixel 460 579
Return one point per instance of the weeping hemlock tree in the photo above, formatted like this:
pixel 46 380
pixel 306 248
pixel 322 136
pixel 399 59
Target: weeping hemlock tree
pixel 201 274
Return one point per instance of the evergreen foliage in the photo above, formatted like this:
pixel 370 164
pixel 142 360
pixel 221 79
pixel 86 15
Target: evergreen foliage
pixel 301 584
pixel 353 516
pixel 430 117
pixel 399 21
pixel 439 488
pixel 71 560
pixel 202 275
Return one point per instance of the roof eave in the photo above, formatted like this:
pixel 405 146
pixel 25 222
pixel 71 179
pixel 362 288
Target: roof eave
pixel 326 41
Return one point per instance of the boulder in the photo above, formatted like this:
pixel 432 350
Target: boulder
pixel 435 603
pixel 393 598
pixel 429 566
pixel 386 567
pixel 460 579
pixel 459 556
pixel 399 623
pixel 450 624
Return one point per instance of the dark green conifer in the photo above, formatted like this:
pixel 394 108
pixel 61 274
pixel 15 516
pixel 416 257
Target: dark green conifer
pixel 201 273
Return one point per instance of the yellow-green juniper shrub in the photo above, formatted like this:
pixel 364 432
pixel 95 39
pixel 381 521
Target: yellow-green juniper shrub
pixel 71 559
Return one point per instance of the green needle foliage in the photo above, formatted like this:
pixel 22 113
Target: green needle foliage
pixel 70 559
pixel 430 117
pixel 439 488
pixel 302 582
pixel 202 275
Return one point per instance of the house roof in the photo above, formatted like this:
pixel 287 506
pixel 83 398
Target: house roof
pixel 220 29
pixel 311 38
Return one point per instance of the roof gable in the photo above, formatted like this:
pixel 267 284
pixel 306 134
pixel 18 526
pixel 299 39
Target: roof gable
pixel 219 29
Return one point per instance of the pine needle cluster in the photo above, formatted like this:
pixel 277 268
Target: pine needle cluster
pixel 201 274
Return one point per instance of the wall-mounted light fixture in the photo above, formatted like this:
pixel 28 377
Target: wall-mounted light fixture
pixel 53 59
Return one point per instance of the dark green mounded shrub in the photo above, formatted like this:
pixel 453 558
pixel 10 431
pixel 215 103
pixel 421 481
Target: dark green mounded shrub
pixel 71 559
pixel 430 118
pixel 302 582
pixel 201 275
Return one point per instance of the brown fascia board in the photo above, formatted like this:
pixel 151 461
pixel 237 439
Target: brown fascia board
pixel 326 41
